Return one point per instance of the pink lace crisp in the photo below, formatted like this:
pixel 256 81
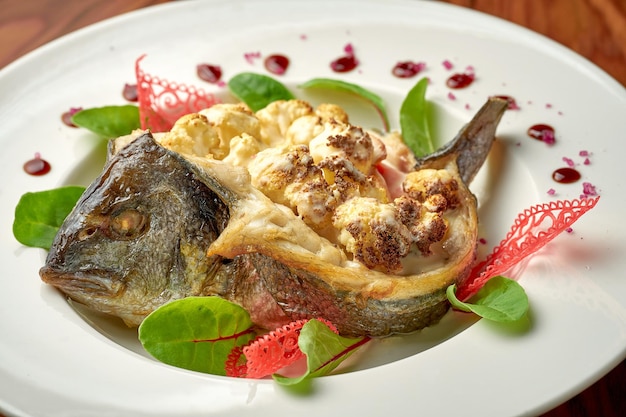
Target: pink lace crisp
pixel 531 231
pixel 162 102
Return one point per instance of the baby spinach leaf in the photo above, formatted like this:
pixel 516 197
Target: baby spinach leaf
pixel 324 351
pixel 196 333
pixel 501 299
pixel 414 120
pixel 339 85
pixel 38 215
pixel 109 121
pixel 257 90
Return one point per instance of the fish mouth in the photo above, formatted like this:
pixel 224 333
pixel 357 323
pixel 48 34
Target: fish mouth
pixel 93 282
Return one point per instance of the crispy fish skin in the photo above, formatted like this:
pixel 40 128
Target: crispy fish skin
pixel 155 227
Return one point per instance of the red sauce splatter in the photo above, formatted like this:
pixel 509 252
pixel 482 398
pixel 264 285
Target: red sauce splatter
pixel 512 103
pixel 37 166
pixel 130 92
pixel 460 80
pixel 209 73
pixel 542 132
pixel 407 69
pixel 277 64
pixel 345 63
pixel 566 175
pixel 66 117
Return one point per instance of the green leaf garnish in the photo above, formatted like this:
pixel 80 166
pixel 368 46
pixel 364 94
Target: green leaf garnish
pixel 257 90
pixel 196 333
pixel 339 85
pixel 109 121
pixel 324 351
pixel 39 215
pixel 501 299
pixel 414 120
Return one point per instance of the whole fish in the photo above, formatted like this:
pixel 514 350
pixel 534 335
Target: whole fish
pixel 156 226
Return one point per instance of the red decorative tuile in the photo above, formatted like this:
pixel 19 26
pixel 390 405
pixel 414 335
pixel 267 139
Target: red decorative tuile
pixel 533 229
pixel 269 352
pixel 162 102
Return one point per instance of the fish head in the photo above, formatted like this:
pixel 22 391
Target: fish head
pixel 138 236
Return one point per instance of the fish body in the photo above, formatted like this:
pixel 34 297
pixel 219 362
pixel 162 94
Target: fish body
pixel 157 226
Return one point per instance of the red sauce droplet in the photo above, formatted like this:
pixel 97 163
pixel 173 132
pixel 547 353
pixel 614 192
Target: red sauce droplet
pixel 37 166
pixel 407 69
pixel 209 73
pixel 460 80
pixel 130 92
pixel 277 64
pixel 344 64
pixel 542 132
pixel 566 175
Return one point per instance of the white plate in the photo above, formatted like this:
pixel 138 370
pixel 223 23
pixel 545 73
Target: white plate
pixel 53 362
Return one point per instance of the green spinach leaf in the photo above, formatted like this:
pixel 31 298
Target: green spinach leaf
pixel 109 121
pixel 257 90
pixel 501 299
pixel 38 215
pixel 196 333
pixel 414 120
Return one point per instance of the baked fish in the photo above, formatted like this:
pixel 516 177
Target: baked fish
pixel 163 221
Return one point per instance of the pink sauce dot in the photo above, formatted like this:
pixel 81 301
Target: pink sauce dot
pixel 66 117
pixel 407 69
pixel 209 73
pixel 250 57
pixel 277 64
pixel 542 132
pixel 589 189
pixel 130 92
pixel 566 175
pixel 37 166
pixel 460 80
pixel 568 161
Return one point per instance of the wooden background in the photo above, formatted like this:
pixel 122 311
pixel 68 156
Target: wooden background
pixel 596 29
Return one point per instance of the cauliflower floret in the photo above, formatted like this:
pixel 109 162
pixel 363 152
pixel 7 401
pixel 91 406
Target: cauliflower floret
pixel 289 177
pixel 208 133
pixel 192 134
pixel 277 116
pixel 232 120
pixel 349 142
pixel 424 221
pixel 303 129
pixel 348 182
pixel 242 149
pixel 420 185
pixel 332 113
pixel 373 233
pixel 379 235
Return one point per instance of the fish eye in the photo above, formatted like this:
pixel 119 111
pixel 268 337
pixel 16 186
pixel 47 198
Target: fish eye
pixel 128 224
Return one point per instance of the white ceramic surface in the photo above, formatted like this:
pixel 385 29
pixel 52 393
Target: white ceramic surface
pixel 54 362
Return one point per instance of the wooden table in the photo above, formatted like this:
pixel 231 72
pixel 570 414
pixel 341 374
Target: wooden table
pixel 595 29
